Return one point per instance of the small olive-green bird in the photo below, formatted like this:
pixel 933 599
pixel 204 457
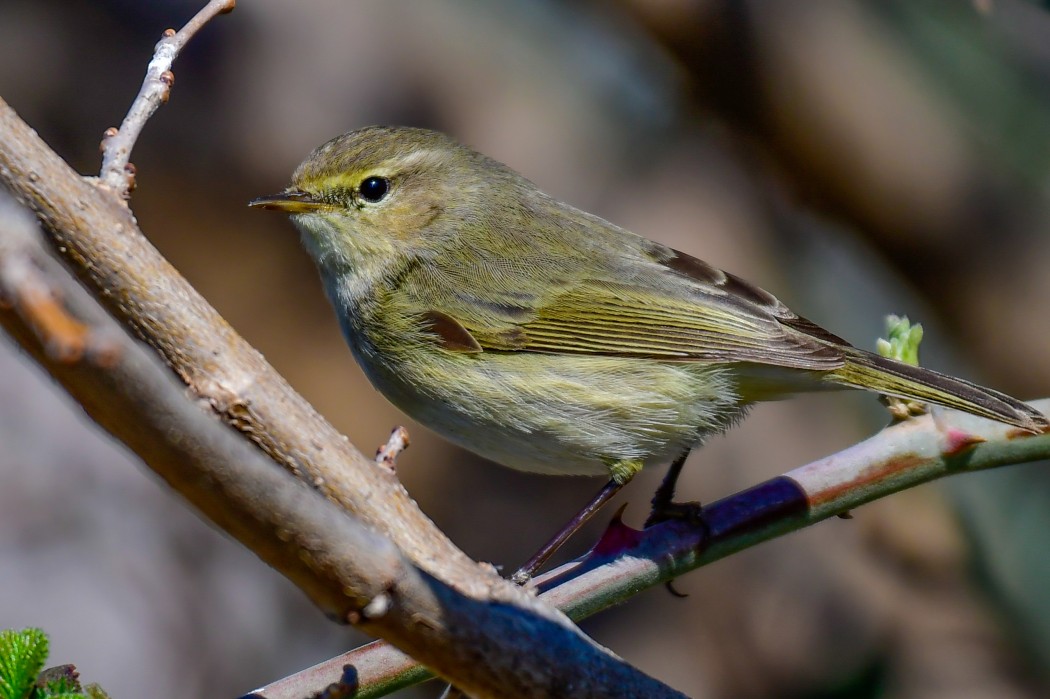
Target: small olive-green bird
pixel 547 339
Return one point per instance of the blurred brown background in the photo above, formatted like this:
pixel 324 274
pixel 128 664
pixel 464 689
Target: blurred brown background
pixel 856 158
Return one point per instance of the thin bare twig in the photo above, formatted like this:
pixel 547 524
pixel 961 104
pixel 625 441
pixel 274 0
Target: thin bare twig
pixel 117 172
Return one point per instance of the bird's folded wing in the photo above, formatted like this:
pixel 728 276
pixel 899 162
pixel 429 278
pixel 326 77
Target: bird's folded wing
pixel 598 317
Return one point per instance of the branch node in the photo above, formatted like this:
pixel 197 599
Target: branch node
pixel 386 455
pixel 900 409
pixel 106 136
pixel 377 607
pixel 167 78
pixel 129 178
pixel 26 290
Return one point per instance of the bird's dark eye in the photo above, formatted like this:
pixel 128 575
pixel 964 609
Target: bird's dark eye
pixel 373 189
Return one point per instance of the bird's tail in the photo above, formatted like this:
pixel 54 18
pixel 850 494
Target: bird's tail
pixel 893 378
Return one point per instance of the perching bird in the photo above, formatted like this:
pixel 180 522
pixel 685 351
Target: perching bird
pixel 545 338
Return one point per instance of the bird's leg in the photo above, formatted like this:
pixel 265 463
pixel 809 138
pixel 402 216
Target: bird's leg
pixel 522 575
pixel 622 473
pixel 663 505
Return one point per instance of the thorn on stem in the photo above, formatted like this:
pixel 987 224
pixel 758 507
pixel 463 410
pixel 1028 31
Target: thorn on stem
pixel 617 535
pixel 1022 434
pixel 957 441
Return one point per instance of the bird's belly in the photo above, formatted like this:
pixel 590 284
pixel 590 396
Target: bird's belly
pixel 559 414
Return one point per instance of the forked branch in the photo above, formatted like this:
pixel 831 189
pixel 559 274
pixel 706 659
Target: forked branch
pixel 117 172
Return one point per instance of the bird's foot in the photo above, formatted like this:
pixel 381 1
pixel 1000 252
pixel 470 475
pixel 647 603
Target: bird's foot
pixel 691 512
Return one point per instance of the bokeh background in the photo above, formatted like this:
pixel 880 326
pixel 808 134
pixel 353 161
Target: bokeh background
pixel 856 158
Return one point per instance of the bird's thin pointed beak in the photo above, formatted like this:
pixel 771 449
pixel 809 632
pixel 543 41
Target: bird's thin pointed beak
pixel 290 201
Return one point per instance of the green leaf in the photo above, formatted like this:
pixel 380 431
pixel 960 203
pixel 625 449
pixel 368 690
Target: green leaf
pixel 22 656
pixel 93 691
pixel 902 341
